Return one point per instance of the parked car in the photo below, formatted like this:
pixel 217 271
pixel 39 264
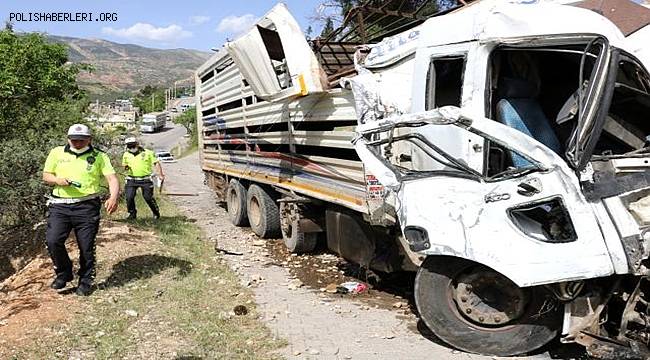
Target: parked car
pixel 165 156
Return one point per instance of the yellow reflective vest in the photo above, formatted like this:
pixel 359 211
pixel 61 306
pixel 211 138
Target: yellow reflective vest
pixel 85 169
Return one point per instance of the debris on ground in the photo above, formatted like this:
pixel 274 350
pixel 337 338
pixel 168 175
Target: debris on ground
pixel 240 310
pixel 352 287
pixel 294 284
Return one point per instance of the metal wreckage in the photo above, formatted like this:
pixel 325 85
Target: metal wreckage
pixel 499 149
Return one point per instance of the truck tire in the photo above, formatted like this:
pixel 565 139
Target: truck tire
pixel 476 309
pixel 236 203
pixel 296 241
pixel 263 213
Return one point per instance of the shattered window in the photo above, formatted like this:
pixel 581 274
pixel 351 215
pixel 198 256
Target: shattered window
pixel 275 50
pixel 444 82
pixel 626 127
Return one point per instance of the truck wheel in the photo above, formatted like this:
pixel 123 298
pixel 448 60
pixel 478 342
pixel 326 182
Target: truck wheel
pixel 236 203
pixel 476 309
pixel 297 241
pixel 263 213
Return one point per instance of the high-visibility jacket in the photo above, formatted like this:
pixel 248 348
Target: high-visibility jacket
pixel 140 163
pixel 85 169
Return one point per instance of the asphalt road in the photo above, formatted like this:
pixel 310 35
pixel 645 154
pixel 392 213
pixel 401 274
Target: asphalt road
pixel 165 139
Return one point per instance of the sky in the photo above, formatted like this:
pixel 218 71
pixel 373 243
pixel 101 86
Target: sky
pixel 165 24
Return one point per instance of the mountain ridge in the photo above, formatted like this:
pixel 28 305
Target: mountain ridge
pixel 120 69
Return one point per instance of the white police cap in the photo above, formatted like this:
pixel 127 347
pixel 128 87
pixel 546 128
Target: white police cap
pixel 78 131
pixel 131 140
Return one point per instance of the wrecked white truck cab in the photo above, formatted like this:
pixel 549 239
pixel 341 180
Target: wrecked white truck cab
pixel 536 175
pixel 500 150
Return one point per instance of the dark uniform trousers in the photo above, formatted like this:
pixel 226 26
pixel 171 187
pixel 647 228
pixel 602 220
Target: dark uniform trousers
pixel 83 218
pixel 131 189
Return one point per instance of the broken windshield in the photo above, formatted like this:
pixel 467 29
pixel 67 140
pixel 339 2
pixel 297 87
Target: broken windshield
pixel 548 90
pixel 409 152
pixel 626 128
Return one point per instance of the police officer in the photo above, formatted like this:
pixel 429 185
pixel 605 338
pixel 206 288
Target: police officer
pixel 139 162
pixel 75 170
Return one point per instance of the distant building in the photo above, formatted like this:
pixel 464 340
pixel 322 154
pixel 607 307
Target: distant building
pixel 110 115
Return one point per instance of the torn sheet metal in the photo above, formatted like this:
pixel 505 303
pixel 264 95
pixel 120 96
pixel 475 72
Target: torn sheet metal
pixel 487 20
pixel 256 56
pixel 373 162
pixel 382 93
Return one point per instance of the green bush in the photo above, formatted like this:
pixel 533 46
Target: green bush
pixel 188 120
pixel 39 100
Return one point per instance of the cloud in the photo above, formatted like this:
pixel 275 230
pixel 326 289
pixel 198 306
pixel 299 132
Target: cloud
pixel 236 24
pixel 144 31
pixel 199 19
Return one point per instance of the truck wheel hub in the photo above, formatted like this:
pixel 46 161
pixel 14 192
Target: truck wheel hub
pixel 488 298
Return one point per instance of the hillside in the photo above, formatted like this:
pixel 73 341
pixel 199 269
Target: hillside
pixel 122 68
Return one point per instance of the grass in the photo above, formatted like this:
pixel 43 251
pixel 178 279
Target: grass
pixel 188 150
pixel 166 298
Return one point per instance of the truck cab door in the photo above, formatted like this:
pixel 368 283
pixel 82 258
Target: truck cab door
pixel 531 224
pixel 276 60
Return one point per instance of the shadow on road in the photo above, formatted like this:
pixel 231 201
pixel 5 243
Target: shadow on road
pixel 165 129
pixel 144 267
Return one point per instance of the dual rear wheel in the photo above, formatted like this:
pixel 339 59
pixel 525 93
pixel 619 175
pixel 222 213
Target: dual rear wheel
pixel 253 206
pixel 258 207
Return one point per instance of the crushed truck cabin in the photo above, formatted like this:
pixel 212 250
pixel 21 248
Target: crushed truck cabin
pixel 500 150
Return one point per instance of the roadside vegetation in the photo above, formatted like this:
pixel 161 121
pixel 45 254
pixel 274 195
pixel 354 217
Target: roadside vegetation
pixel 161 294
pixel 39 100
pixel 188 121
pixel 150 99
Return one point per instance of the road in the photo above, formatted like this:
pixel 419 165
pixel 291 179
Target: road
pixel 166 139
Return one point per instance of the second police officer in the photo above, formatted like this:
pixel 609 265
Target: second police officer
pixel 139 163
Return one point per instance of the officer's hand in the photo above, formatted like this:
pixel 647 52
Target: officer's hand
pixel 111 205
pixel 62 182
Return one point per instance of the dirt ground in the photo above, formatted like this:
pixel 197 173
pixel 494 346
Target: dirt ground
pixel 292 291
pixel 29 309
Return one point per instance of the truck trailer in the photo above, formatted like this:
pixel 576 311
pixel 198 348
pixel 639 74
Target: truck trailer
pixel 153 122
pixel 499 150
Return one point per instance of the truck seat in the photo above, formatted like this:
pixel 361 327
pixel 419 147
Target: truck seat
pixel 519 110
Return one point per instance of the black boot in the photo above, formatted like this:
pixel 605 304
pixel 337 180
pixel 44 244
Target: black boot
pixel 84 289
pixel 60 281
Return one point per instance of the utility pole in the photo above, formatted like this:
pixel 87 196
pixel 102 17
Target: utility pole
pixel 152 102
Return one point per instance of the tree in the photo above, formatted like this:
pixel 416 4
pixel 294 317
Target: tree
pixel 328 28
pixel 143 99
pixel 188 120
pixel 332 13
pixel 39 100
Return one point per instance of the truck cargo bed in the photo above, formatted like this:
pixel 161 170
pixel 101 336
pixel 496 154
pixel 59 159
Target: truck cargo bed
pixel 302 144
